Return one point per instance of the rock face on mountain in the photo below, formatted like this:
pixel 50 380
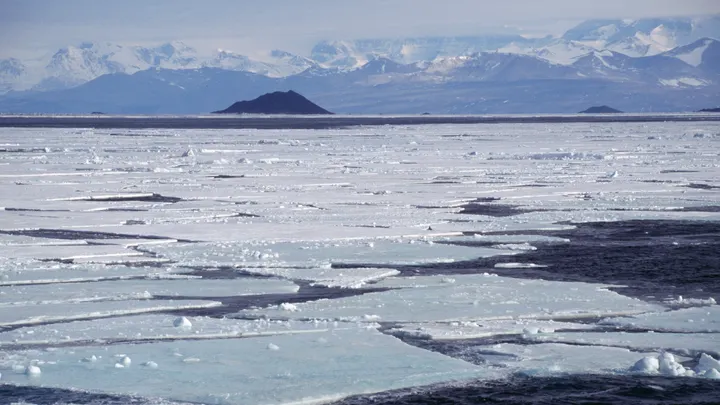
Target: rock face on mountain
pixel 278 102
pixel 603 109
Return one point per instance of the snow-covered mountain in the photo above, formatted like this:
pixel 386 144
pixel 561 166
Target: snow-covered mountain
pixel 276 63
pixel 671 52
pixel 703 54
pixel 485 82
pixel 644 37
pixel 634 38
pixel 74 65
pixel 349 54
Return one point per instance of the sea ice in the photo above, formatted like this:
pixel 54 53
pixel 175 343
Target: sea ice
pixel 687 343
pixel 291 204
pixel 346 362
pixel 666 364
pixel 701 319
pixel 22 315
pixel 544 360
pixel 474 297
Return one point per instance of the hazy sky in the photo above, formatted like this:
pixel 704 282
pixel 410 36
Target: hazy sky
pixel 246 25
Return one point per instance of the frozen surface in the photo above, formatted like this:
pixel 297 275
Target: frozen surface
pixel 139 289
pixel 308 367
pixel 690 343
pixel 15 272
pixel 156 327
pixel 703 319
pixel 152 244
pixel 38 314
pixel 298 254
pixel 555 359
pixel 463 298
pixel 485 328
pixel 668 365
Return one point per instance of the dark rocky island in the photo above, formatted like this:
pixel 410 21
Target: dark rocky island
pixel 603 109
pixel 278 102
pixel 710 110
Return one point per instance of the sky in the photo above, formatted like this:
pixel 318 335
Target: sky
pixel 33 26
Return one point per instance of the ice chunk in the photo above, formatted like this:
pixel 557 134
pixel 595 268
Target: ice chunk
pixel 518 265
pixel 125 361
pixel 669 367
pixel 182 323
pixel 515 246
pixel 646 365
pixel 681 302
pixel 32 370
pixel 707 363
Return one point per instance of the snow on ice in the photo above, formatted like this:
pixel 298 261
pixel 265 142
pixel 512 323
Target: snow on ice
pixel 215 265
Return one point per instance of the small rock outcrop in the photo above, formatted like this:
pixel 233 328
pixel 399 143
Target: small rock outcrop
pixel 279 102
pixel 603 109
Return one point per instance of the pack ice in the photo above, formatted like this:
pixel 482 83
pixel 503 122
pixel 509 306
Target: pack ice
pixel 215 266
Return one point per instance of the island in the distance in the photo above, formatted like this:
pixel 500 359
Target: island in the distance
pixel 710 110
pixel 279 102
pixel 603 109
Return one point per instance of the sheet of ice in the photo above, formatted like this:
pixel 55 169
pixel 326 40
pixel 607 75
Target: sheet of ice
pixel 327 276
pixel 322 254
pixel 322 196
pixel 308 367
pixel 487 328
pixel 21 315
pixel 156 327
pixel 139 289
pixel 688 343
pixel 17 272
pixel 75 253
pixel 556 359
pixel 469 298
pixel 313 254
pixel 703 319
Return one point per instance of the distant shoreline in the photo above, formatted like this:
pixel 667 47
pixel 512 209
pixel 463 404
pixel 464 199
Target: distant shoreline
pixel 325 122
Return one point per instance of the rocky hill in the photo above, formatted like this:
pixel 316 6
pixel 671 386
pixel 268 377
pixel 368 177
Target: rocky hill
pixel 278 102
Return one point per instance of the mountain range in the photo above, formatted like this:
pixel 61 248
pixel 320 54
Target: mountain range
pixel 642 65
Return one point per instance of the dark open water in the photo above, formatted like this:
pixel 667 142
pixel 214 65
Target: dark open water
pixel 656 260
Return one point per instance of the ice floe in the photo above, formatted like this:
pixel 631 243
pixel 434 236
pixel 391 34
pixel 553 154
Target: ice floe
pixel 308 368
pixel 474 297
